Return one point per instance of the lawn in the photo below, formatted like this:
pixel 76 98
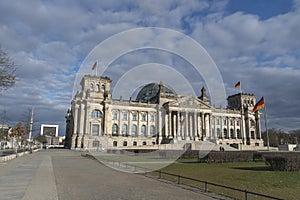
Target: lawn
pixel 253 176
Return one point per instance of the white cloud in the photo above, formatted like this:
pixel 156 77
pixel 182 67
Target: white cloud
pixel 49 39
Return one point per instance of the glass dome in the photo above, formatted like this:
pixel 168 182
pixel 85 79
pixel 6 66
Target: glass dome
pixel 150 92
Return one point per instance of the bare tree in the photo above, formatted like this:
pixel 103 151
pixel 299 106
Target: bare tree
pixel 18 132
pixel 7 71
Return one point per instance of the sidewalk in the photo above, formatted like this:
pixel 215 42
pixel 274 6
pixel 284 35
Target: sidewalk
pixel 28 177
pixel 66 175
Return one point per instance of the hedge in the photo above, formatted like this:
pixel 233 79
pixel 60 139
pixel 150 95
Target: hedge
pixel 284 162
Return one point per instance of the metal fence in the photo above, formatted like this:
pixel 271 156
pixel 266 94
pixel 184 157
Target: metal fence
pixel 206 186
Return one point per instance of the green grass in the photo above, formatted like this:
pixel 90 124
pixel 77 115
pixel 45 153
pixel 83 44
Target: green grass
pixel 253 176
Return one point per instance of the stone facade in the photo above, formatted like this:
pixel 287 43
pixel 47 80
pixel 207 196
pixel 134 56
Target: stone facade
pixel 158 117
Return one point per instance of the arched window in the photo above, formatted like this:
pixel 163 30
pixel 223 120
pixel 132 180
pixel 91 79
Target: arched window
pixel 103 87
pixel 125 143
pixel 225 133
pixel 91 86
pixel 115 143
pixel 144 143
pixel 143 130
pixel 114 130
pixel 124 130
pixel 252 123
pixel 134 130
pixel 134 143
pixel 152 130
pixel 97 87
pixel 96 114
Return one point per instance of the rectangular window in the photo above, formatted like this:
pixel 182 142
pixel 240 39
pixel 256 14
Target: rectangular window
pixel 152 118
pixel 231 122
pixel 115 116
pixel 143 117
pixel 224 121
pixel 218 122
pixel 95 143
pixel 124 116
pixel 95 129
pixel 134 117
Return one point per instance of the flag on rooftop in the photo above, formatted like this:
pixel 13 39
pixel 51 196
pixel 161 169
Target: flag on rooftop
pixel 259 105
pixel 94 66
pixel 238 84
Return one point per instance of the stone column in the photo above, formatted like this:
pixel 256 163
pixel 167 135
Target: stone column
pixel 228 127
pixel 190 132
pixel 86 120
pixel 119 123
pixel 203 126
pixel 148 125
pixel 178 126
pixel 207 125
pixel 129 122
pixel 166 126
pixel 255 130
pixel 81 125
pixel 195 127
pixel 107 119
pixel 221 125
pixel 76 124
pixel 159 125
pixel 213 127
pixel 243 127
pixel 170 124
pixel 258 128
pixel 199 127
pixel 174 126
pixel 75 133
pixel 234 129
pixel 211 134
pixel 186 137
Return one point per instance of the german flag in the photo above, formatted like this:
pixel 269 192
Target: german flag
pixel 95 65
pixel 259 105
pixel 238 84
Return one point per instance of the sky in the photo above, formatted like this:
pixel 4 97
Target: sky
pixel 252 41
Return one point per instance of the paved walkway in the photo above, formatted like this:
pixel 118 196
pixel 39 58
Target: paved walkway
pixel 64 174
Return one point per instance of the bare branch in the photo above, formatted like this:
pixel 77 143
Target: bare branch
pixel 7 71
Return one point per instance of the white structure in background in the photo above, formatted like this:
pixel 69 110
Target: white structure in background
pixel 51 133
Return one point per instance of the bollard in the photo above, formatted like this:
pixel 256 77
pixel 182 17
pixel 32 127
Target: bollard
pixel 246 195
pixel 206 187
pixel 179 179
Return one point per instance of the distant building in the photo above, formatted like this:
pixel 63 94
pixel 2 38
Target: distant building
pixel 288 147
pixel 158 116
pixel 4 135
pixel 51 133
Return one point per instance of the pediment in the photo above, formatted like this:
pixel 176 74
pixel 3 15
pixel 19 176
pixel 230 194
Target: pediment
pixel 189 102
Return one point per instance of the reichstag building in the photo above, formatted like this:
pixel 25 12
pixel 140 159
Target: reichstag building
pixel 158 118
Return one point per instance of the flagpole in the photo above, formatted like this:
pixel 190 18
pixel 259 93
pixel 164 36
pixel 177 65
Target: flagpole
pixel 266 125
pixel 241 87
